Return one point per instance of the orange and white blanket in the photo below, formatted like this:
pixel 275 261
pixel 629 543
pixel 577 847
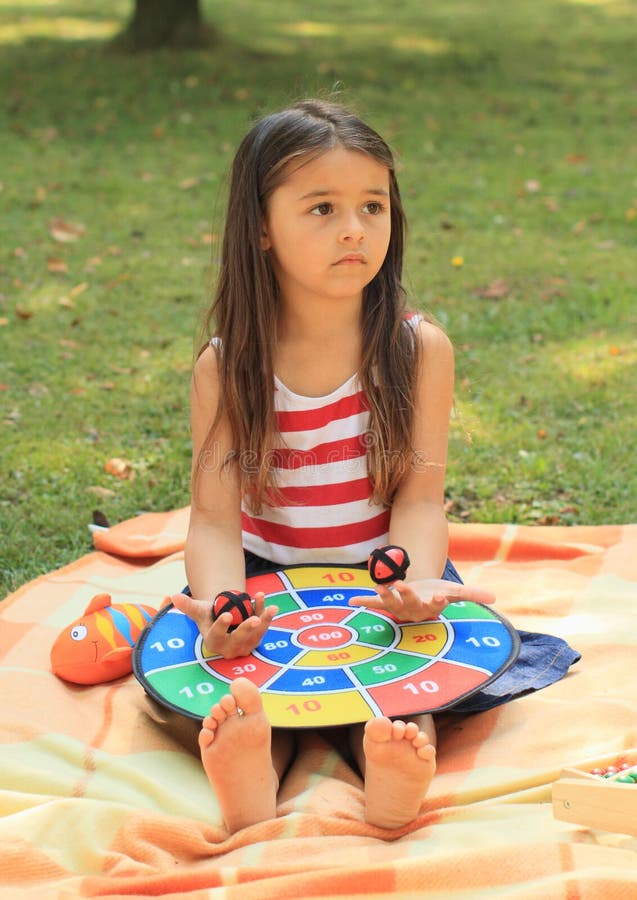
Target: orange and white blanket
pixel 96 800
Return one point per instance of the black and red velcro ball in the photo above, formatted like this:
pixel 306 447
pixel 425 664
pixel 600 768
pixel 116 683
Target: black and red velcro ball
pixel 387 564
pixel 237 603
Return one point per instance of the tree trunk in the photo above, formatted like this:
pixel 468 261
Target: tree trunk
pixel 166 23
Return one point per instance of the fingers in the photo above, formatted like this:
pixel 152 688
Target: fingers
pixel 482 595
pixel 370 601
pixel 259 603
pixel 199 610
pixel 454 592
pixel 218 640
pixel 243 639
pixel 420 600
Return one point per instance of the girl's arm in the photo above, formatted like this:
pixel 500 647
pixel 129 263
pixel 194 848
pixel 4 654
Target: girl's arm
pixel 214 554
pixel 418 520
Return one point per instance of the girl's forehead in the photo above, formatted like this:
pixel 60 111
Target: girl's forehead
pixel 336 166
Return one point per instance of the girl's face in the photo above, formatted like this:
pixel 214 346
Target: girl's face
pixel 328 226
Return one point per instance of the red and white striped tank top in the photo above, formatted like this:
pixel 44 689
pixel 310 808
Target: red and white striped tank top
pixel 325 514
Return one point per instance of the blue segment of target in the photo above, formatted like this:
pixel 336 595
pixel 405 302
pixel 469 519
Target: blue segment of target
pixel 173 638
pixel 277 646
pixel 326 597
pixel 485 643
pixel 296 681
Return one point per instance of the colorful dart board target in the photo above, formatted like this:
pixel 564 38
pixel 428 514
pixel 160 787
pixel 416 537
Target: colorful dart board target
pixel 323 662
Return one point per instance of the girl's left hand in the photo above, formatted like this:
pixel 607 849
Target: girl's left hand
pixel 418 601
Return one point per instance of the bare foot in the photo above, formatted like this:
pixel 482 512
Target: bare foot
pixel 235 743
pixel 399 765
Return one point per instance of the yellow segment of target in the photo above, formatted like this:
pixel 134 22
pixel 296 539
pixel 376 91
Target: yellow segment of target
pixel 315 710
pixel 428 638
pixel 346 656
pixel 333 578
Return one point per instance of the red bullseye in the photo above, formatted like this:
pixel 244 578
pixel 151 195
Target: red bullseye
pixel 324 637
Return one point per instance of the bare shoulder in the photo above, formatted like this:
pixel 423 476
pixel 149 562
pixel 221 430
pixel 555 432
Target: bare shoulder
pixel 206 379
pixel 205 392
pixel 436 348
pixel 206 369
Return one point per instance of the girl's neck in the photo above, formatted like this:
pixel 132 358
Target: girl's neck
pixel 312 322
pixel 316 354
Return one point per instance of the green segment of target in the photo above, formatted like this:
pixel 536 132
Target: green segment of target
pixel 189 686
pixel 389 667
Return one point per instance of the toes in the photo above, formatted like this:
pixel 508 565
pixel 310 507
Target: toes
pixel 379 730
pixel 210 722
pixel 228 705
pixel 208 732
pixel 420 740
pixel 428 753
pixel 411 731
pixel 246 696
pixel 398 730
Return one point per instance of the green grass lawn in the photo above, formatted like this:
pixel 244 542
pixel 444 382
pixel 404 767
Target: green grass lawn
pixel 515 128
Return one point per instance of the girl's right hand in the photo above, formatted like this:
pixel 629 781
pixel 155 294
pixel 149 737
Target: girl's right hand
pixel 218 641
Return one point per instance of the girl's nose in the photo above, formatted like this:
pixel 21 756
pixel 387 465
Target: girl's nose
pixel 352 230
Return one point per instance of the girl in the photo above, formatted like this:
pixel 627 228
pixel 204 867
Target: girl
pixel 320 413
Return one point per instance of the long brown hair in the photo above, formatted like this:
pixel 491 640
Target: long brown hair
pixel 244 312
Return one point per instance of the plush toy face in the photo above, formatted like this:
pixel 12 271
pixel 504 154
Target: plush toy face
pixel 98 646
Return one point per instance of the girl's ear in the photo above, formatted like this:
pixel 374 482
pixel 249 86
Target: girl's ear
pixel 265 238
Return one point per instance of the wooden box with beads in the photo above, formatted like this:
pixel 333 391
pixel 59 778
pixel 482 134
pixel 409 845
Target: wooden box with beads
pixel 601 798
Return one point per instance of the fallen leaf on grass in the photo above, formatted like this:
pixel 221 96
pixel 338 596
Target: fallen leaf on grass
pixel 120 468
pixel 13 417
pixel 37 389
pixel 56 265
pixel 67 300
pixel 101 491
pixel 495 291
pixel 549 519
pixel 78 289
pixel 66 232
pixel 125 276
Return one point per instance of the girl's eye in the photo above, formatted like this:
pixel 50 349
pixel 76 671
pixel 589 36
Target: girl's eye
pixel 374 207
pixel 323 209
